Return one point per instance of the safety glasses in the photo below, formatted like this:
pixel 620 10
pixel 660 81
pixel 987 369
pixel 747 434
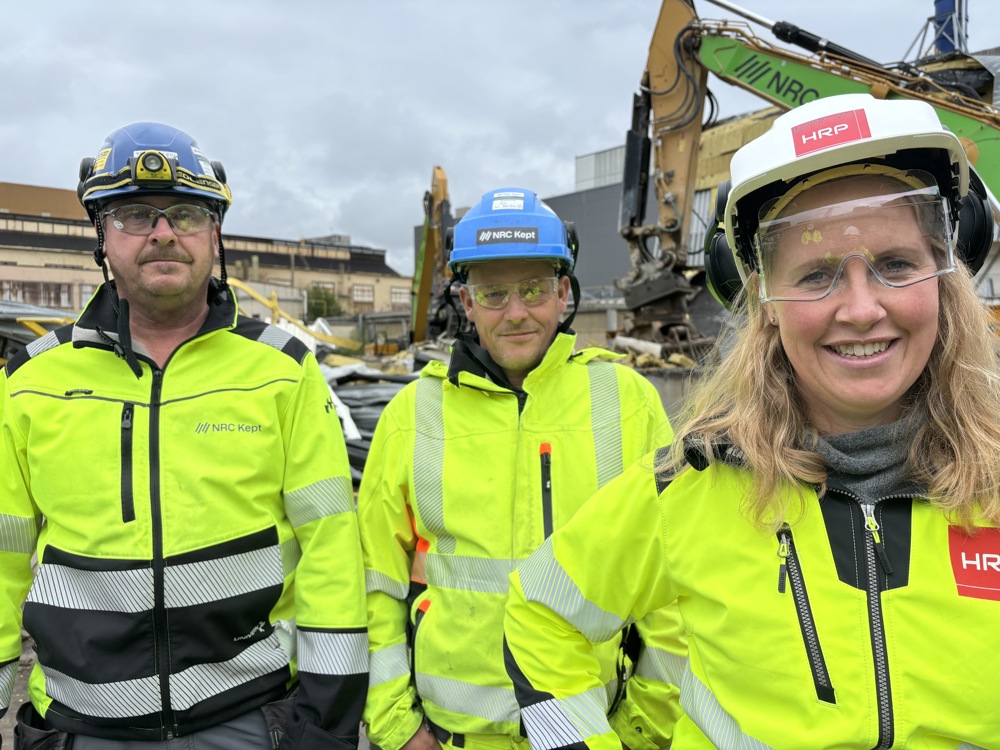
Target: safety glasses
pixel 904 238
pixel 140 219
pixel 532 292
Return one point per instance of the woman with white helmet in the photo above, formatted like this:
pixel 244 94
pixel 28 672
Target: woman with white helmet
pixel 827 518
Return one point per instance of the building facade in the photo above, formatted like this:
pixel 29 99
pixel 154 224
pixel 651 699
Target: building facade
pixel 47 245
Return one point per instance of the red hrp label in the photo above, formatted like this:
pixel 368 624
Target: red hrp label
pixel 976 562
pixel 832 130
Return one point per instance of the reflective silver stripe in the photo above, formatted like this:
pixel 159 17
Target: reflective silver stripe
pixel 489 703
pixel 333 653
pixel 18 534
pixel 274 336
pixel 378 581
pixel 101 590
pixel 969 746
pixel 8 673
pixel 550 726
pixel 202 681
pixel 544 581
pixel 291 553
pixel 662 666
pixel 469 573
pixel 388 664
pixel 326 497
pixel 48 341
pixel 214 580
pixel 107 700
pixel 605 416
pixel 428 459
pixel 589 711
pixel 711 718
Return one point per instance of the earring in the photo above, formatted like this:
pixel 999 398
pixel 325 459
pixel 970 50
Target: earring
pixel 774 321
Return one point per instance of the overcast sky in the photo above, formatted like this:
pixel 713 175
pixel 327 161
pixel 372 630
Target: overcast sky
pixel 329 115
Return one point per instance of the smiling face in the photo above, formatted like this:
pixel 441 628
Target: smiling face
pixel 163 272
pixel 516 336
pixel 857 351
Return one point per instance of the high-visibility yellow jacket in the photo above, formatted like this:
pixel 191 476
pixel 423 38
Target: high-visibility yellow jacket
pixel 456 472
pixel 199 547
pixel 867 624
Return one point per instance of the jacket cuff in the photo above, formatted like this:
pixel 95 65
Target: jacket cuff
pixel 632 729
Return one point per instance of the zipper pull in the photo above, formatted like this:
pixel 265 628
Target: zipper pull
pixel 873 528
pixel 545 455
pixel 783 556
pixel 127 417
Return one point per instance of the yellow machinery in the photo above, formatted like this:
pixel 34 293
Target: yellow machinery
pixel 277 314
pixel 430 270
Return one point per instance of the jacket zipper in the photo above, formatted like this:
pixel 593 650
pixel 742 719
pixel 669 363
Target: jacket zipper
pixel 790 566
pixel 161 638
pixel 128 499
pixel 545 454
pixel 873 530
pixel 875 555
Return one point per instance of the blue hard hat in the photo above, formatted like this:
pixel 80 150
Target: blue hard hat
pixel 512 223
pixel 148 158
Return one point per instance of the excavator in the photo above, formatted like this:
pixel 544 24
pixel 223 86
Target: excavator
pixel 690 151
pixel 432 316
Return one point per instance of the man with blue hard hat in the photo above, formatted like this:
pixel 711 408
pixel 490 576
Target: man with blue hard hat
pixel 471 469
pixel 182 476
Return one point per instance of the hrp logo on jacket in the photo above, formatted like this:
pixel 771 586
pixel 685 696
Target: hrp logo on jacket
pixel 975 561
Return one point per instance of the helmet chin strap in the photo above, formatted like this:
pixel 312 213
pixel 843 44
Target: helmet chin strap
pixel 220 293
pixel 574 284
pixel 122 347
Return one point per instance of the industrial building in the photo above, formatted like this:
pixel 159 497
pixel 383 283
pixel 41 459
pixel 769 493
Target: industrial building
pixel 47 244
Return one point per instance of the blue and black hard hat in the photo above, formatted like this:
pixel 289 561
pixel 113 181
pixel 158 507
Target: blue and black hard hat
pixel 148 158
pixel 512 224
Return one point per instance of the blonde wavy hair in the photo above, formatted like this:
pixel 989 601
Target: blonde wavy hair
pixel 748 399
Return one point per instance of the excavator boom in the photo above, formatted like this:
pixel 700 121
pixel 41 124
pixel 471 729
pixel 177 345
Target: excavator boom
pixel 430 264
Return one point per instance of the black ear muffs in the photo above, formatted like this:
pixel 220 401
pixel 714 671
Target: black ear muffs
pixel 572 240
pixel 975 224
pixel 721 274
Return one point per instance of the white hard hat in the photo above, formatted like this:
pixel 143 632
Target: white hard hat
pixel 831 132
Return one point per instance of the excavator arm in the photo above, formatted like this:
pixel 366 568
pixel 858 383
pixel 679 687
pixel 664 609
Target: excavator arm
pixel 733 53
pixel 430 269
pixel 666 126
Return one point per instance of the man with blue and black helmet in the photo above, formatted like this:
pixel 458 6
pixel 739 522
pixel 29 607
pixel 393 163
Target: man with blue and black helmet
pixel 182 476
pixel 471 468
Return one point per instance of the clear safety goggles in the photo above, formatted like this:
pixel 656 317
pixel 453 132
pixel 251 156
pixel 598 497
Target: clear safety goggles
pixel 532 292
pixel 903 237
pixel 140 219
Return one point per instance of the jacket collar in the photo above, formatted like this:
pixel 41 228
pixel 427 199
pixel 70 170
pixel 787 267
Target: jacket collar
pixel 469 358
pixel 99 321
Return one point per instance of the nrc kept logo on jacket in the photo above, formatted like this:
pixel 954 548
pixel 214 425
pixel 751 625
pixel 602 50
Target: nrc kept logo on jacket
pixel 204 428
pixel 975 561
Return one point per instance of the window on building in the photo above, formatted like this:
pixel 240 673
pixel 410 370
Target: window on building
pixel 399 296
pixel 363 293
pixel 86 292
pixel 41 293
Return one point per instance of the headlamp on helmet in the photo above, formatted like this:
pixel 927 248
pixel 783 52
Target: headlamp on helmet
pixel 153 168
